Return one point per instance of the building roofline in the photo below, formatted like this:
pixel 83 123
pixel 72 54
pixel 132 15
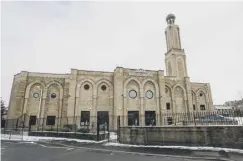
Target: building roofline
pixel 144 69
pixel 199 83
pixel 49 73
pixel 83 70
pixel 94 71
pixel 118 67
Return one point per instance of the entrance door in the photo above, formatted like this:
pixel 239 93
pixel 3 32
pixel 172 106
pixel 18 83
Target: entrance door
pixel 103 118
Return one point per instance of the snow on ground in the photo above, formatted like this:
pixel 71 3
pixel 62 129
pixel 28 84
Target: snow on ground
pixel 113 136
pixel 177 147
pixel 25 137
pixel 42 138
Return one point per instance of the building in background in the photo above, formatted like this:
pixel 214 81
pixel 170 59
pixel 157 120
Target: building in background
pixel 224 109
pixel 237 104
pixel 141 97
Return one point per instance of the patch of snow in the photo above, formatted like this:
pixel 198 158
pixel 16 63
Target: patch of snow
pixel 69 132
pixel 27 142
pixel 113 136
pixel 42 138
pixel 69 149
pixel 178 147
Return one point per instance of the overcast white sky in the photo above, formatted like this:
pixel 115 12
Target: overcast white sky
pixel 56 36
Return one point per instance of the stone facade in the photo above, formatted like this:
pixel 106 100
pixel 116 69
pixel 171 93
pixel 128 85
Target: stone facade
pixel 116 93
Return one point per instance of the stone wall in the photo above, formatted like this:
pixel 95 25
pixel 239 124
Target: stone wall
pixel 213 136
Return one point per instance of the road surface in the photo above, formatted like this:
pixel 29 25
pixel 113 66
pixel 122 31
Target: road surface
pixel 22 151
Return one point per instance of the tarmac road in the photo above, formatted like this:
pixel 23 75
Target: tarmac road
pixel 22 151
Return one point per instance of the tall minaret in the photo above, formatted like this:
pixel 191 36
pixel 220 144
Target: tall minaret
pixel 175 58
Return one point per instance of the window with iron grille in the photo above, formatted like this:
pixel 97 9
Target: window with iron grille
pixel 32 120
pixel 169 120
pixel 168 106
pixel 133 118
pixel 50 120
pixel 202 107
pixel 85 118
pixel 103 117
pixel 150 118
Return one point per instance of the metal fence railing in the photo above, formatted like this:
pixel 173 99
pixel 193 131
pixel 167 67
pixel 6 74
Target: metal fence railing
pixel 87 124
pixel 181 119
pixel 59 126
pixel 104 123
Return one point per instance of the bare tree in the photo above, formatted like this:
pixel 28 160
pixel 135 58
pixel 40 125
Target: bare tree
pixel 3 113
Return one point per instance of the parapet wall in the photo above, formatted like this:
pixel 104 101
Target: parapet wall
pixel 213 136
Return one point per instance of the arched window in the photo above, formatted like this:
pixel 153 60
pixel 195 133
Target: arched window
pixel 169 69
pixel 180 67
